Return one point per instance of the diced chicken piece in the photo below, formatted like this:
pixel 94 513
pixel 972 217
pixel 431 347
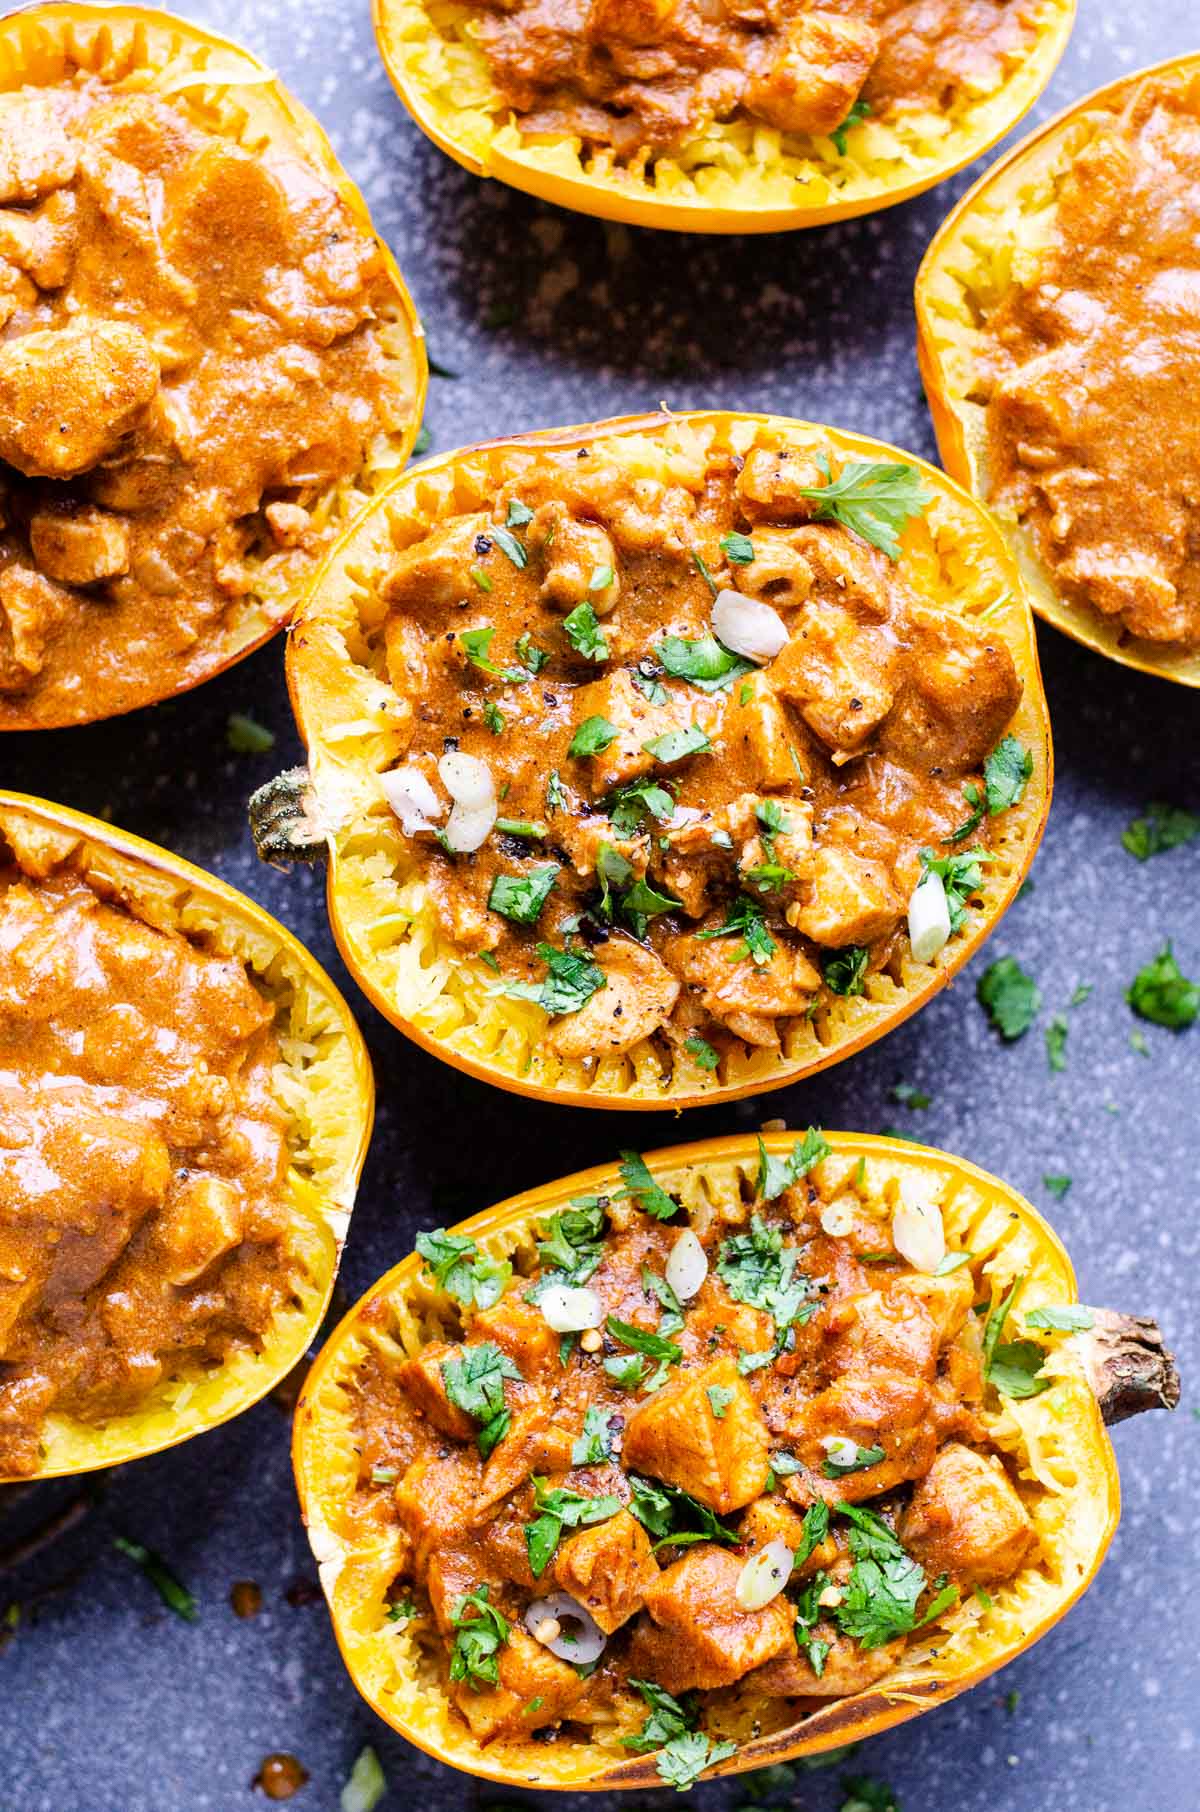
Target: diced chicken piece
pixel 779 574
pixel 463 915
pixel 697 1634
pixel 677 1436
pixel 637 721
pixel 582 837
pixel 31 610
pixel 201 1223
pixel 760 727
pixel 503 1544
pixel 229 222
pixel 847 1668
pixel 452 1573
pixel 790 848
pixel 290 523
pixel 769 1519
pixel 435 1501
pixel 36 153
pixel 42 242
pixel 79 544
pixel 608 1569
pixel 962 691
pixel 846 571
pixel 847 899
pixel 946 1300
pixel 747 997
pixel 636 1000
pixel 816 77
pixel 838 673
pixel 535 1689
pixel 1130 583
pixel 422 1381
pixel 69 395
pixel 434 573
pixel 535 1442
pixel 519 1329
pixel 573 554
pixel 876 1332
pixel 883 1410
pixel 769 484
pixel 634 21
pixel 966 1519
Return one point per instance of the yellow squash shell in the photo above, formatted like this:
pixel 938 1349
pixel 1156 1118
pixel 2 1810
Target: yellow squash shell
pixel 991 240
pixel 1056 1443
pixel 742 176
pixel 323 1082
pixel 381 911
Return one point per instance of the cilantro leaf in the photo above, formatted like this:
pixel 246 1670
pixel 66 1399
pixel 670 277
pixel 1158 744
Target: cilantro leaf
pixel 701 1052
pixel 1162 993
pixel 628 805
pixel 757 1268
pixel 593 1446
pixel 556 798
pixel 1057 1185
pixel 975 799
pixel 864 1457
pixel 745 916
pixel 459 1267
pixel 960 875
pixel 476 644
pixel 1009 997
pixel 737 549
pixel 857 113
pixel 494 717
pixel 571 980
pixel 246 736
pixel 519 514
pixel 880 1601
pixel 1006 773
pixel 845 970
pixel 582 629
pixel 652 1507
pixel 1012 1366
pixel 642 1340
pixel 508 544
pixel 475 1384
pixel 816 1528
pixel 593 736
pixel 672 1317
pixel 1072 1319
pixel 909 1096
pixel 480 1632
pixel 1164 827
pixel 561 1509
pixel 521 897
pixel 777 1174
pixel 720 1396
pixel 650 1196
pixel 626 1370
pixel 669 1717
pixel 646 680
pixel 531 657
pixel 684 1759
pixel 701 566
pixel 865 1794
pixel 675 1518
pixel 572 1241
pixel 677 745
pixel 705 662
pixel 874 499
pixel 1056 1043
pixel 169 1587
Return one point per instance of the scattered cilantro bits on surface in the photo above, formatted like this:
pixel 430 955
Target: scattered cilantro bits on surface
pixel 909 1096
pixel 1163 994
pixel 1009 996
pixel 520 898
pixel 859 112
pixel 650 1196
pixel 246 736
pixel 458 1266
pixel 170 1589
pixel 475 1384
pixel 1013 1367
pixel 866 1794
pixel 1164 827
pixel 367 1783
pixel 571 980
pixel 1056 1043
pixel 1058 1185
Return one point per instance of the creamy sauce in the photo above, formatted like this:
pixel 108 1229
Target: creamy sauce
pixel 635 73
pixel 1092 371
pixel 189 359
pixel 143 1212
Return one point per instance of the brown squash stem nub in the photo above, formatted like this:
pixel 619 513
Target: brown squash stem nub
pixel 1128 1367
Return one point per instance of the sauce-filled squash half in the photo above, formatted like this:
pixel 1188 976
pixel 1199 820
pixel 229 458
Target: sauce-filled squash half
pixel 665 759
pixel 184 1109
pixel 714 118
pixel 1056 312
pixel 738 1452
pixel 209 360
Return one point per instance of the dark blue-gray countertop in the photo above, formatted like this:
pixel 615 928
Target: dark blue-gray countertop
pixel 108 1703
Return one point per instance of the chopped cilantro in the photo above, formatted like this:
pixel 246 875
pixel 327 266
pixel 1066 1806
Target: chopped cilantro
pixel 816 1522
pixel 684 1759
pixel 556 799
pixel 874 499
pixel 480 1632
pixel 961 876
pixel 701 1052
pixel 669 1718
pixel 677 745
pixel 480 578
pixel 1162 993
pixel 628 805
pixel 745 917
pixel 951 1261
pixel 422 443
pixel 865 1794
pixel 649 685
pixel 246 736
pixel 582 629
pixel 457 1266
pixel 626 1370
pixel 521 898
pixel 642 1340
pixel 509 545
pixel 572 1241
pixel 974 818
pixel 777 1174
pixel 1009 997
pixel 1073 1319
pixel 720 1396
pixel 592 1447
pixel 701 566
pixel 593 736
pixel 910 1097
pixel 519 514
pixel 1057 1185
pixel 856 115
pixel 475 1384
pixel 571 980
pixel 494 717
pixel 1164 827
pixel 366 1785
pixel 1012 1366
pixel 756 1267
pixel 672 1318
pixel 704 662
pixel 845 970
pixel 531 657
pixel 1006 774
pixel 1056 1043
pixel 738 549
pixel 864 1457
pixel 170 1589
pixel 650 1196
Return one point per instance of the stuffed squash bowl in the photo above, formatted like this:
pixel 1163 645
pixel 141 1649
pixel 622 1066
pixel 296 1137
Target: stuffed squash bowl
pixel 733 1453
pixel 712 120
pixel 209 362
pixel 1053 331
pixel 667 759
pixel 186 1107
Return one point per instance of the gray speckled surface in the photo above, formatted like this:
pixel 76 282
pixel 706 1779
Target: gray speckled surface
pixel 110 1704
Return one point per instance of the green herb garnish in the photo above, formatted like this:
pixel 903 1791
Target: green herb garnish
pixel 582 629
pixel 521 898
pixel 874 499
pixel 475 1384
pixel 458 1266
pixel 1009 997
pixel 1162 993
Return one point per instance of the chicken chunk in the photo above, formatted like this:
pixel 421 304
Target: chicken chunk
pixel 881 1410
pixel 745 996
pixel 575 554
pixel 519 1329
pixel 760 726
pixel 816 77
pixel 635 21
pixel 677 1436
pixel 847 1668
pixel 535 1442
pixel 79 544
pixel 421 1379
pixel 36 152
pixel 769 485
pixel 696 1633
pixel 435 1501
pixel 966 1519
pixel 962 691
pixel 608 1569
pixel 637 722
pixel 847 899
pixel 201 1223
pixel 946 1300
pixel 769 1519
pixel 535 1689
pixel 433 574
pixel 637 998
pixel 69 395
pixel 31 610
pixel 838 673
pixel 877 1332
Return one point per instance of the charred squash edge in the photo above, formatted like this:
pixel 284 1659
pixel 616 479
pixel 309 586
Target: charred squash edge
pixel 35 38
pixel 298 819
pixel 630 198
pixel 337 1083
pixel 1120 1365
pixel 944 314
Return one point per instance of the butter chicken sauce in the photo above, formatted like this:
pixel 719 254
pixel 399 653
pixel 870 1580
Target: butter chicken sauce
pixel 807 1387
pixel 190 358
pixel 143 1207
pixel 1091 371
pixel 717 852
pixel 639 74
